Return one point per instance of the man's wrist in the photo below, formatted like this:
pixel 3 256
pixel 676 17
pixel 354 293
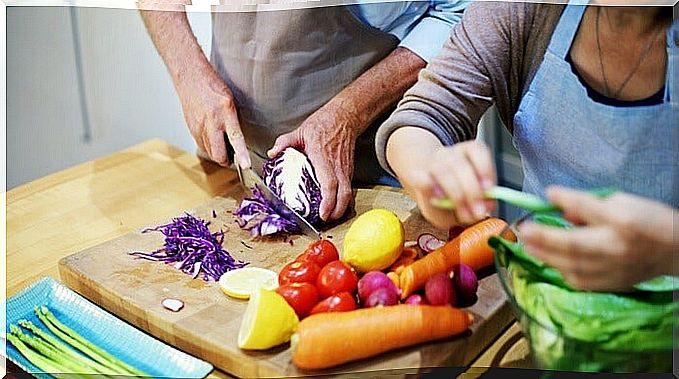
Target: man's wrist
pixel 346 110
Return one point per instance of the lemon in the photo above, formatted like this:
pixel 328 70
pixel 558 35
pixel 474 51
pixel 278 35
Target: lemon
pixel 268 321
pixel 242 282
pixel 374 241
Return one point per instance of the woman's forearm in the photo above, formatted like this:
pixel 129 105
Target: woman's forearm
pixel 407 148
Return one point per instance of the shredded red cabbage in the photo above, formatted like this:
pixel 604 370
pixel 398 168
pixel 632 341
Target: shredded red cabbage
pixel 255 215
pixel 192 248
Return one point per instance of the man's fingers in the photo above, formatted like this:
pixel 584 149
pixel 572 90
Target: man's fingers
pixel 343 197
pixel 217 145
pixel 204 145
pixel 284 141
pixel 579 206
pixel 328 183
pixel 236 139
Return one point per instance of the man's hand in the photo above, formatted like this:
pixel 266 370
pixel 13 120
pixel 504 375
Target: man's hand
pixel 622 240
pixel 328 138
pixel 211 115
pixel 208 104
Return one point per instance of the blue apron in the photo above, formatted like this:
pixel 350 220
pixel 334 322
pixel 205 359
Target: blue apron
pixel 566 138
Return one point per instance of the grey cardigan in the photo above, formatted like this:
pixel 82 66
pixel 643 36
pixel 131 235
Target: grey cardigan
pixel 490 58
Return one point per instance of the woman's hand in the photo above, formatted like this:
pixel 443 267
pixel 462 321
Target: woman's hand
pixel 328 138
pixel 623 240
pixel 461 172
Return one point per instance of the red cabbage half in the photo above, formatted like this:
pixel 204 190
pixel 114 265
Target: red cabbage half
pixel 291 176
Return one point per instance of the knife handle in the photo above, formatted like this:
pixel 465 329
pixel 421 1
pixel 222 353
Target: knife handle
pixel 230 152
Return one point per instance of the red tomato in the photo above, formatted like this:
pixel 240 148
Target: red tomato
pixel 336 277
pixel 320 252
pixel 301 297
pixel 299 272
pixel 341 302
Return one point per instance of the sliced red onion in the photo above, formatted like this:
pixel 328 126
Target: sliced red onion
pixel 410 243
pixel 429 242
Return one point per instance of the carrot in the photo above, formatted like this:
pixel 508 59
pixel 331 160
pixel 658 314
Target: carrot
pixel 469 247
pixel 328 339
pixel 394 278
pixel 408 256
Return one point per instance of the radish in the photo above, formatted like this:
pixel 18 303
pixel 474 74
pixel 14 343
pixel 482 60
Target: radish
pixel 429 242
pixel 439 290
pixel 382 297
pixel 465 283
pixel 373 281
pixel 415 299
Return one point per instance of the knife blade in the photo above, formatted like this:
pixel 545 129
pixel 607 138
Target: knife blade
pixel 249 179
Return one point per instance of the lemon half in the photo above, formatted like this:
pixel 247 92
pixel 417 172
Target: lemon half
pixel 243 282
pixel 268 321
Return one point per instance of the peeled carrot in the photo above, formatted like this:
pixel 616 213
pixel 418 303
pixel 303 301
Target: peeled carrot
pixel 328 339
pixel 469 247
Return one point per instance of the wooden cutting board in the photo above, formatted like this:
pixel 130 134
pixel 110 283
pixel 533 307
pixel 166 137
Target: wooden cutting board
pixel 207 327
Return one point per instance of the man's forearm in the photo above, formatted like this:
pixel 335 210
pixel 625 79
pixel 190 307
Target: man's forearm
pixel 171 33
pixel 377 89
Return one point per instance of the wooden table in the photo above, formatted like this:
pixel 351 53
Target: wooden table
pixel 60 214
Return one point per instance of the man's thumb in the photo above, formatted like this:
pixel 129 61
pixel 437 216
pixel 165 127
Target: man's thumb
pixel 283 142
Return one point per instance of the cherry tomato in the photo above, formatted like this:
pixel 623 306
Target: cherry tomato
pixel 336 277
pixel 341 302
pixel 299 272
pixel 301 297
pixel 320 252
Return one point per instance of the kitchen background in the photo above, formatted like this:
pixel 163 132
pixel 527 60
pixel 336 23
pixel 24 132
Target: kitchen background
pixel 86 82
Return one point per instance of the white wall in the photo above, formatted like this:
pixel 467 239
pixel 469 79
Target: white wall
pixel 44 126
pixel 127 95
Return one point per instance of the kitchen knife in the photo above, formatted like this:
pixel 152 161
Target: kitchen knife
pixel 249 179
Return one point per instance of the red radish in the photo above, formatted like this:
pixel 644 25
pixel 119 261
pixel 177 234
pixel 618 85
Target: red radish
pixel 439 290
pixel 465 283
pixel 373 281
pixel 415 299
pixel 384 296
pixel 429 242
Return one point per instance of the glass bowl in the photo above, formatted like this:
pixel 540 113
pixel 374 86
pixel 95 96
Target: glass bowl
pixel 552 349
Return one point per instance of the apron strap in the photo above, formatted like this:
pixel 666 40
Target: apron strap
pixel 671 85
pixel 567 27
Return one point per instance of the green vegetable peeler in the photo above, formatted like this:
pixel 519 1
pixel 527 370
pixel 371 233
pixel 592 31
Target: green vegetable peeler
pixel 527 201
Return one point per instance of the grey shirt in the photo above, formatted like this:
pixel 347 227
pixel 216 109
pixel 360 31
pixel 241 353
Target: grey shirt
pixel 490 58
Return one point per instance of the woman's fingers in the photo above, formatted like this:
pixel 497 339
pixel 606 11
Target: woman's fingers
pixel 481 159
pixel 462 171
pixel 580 207
pixel 580 254
pixel 449 183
